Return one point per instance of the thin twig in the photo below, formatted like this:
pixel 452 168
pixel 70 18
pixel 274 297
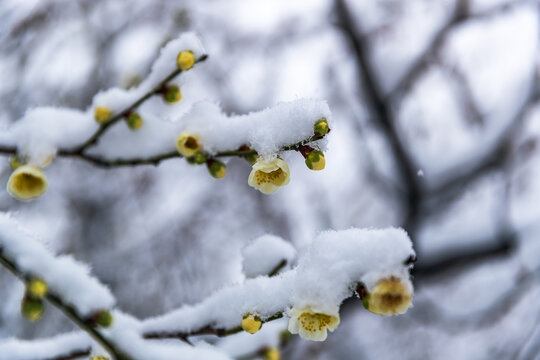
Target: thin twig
pixel 68 310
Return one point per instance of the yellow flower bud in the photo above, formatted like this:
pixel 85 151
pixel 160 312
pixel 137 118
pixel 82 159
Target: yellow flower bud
pixel 268 176
pixel 172 94
pixel 272 354
pixel 185 60
pixel 187 144
pixel 32 309
pixel 99 358
pixel 389 297
pixel 315 160
pixel 321 127
pixel 102 114
pixel 216 168
pixel 36 288
pixel 27 182
pixel 251 323
pixel 134 121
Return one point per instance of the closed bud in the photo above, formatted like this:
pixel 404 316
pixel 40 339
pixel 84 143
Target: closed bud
pixel 104 318
pixel 321 127
pixel 99 358
pixel 185 60
pixel 315 160
pixel 272 354
pixel 15 162
pixel 216 168
pixel 251 323
pixel 252 158
pixel 134 121
pixel 102 114
pixel 36 288
pixel 172 94
pixel 199 158
pixel 390 296
pixel 32 308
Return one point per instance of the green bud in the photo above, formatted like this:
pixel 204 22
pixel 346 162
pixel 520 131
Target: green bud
pixel 15 162
pixel 315 160
pixel 365 301
pixel 321 127
pixel 32 308
pixel 199 158
pixel 104 318
pixel 172 94
pixel 216 168
pixel 134 121
pixel 252 158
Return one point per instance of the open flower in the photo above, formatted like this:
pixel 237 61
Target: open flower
pixel 187 144
pixel 311 324
pixel 27 182
pixel 268 176
pixel 390 296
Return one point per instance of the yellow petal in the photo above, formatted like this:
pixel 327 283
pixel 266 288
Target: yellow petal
pixel 187 144
pixel 27 182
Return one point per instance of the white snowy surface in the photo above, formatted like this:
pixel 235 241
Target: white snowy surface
pixel 265 131
pixel 325 276
pixel 65 277
pixel 263 254
pixel 15 349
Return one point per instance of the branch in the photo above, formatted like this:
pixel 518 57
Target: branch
pixel 67 309
pixel 207 330
pixel 381 107
pixel 157 89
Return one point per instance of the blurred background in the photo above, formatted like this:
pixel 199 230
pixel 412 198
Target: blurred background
pixel 436 128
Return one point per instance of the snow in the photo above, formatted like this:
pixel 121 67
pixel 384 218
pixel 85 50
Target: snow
pixel 324 277
pixel 265 131
pixel 65 277
pixel 262 255
pixel 14 349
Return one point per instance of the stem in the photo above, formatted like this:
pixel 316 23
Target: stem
pixel 68 310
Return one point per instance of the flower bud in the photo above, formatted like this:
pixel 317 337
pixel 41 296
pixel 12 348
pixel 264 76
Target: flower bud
pixel 216 168
pixel 252 158
pixel 321 127
pixel 134 121
pixel 36 288
pixel 187 144
pixel 390 296
pixel 251 323
pixel 185 60
pixel 99 358
pixel 172 94
pixel 199 158
pixel 27 182
pixel 315 160
pixel 104 318
pixel 272 354
pixel 102 114
pixel 15 162
pixel 32 308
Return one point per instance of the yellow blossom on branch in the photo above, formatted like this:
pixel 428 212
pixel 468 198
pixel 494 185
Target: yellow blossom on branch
pixel 185 60
pixel 251 323
pixel 268 176
pixel 312 324
pixel 272 354
pixel 187 144
pixel 390 296
pixel 27 182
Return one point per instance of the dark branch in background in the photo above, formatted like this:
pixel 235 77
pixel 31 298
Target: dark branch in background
pixel 422 201
pixel 72 356
pixel 383 113
pixel 68 310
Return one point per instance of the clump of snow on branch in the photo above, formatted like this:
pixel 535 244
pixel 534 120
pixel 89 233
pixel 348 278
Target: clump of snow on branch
pixel 264 254
pixel 325 276
pixel 64 276
pixel 14 349
pixel 265 131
